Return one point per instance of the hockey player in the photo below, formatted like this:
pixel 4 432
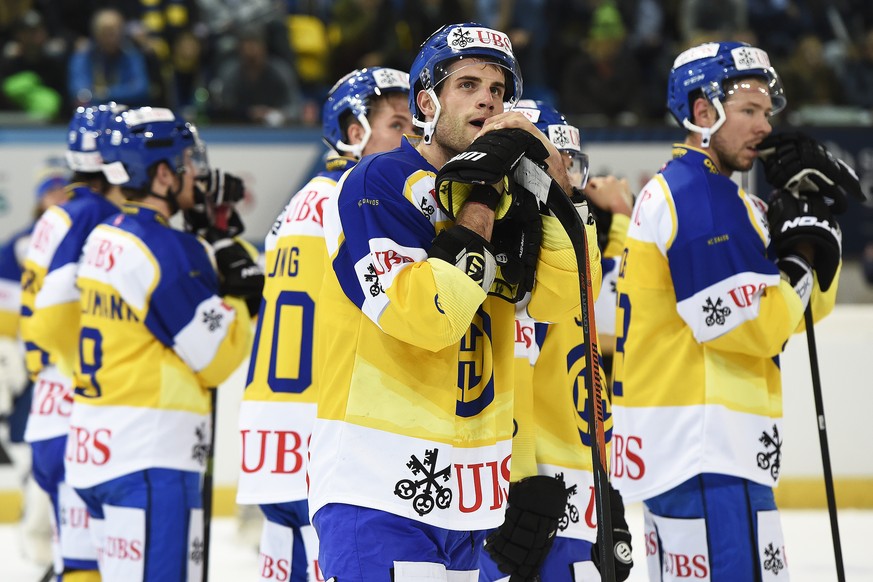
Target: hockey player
pixel 50 315
pixel 365 112
pixel 558 409
pixel 410 449
pixel 703 314
pixel 16 391
pixel 158 326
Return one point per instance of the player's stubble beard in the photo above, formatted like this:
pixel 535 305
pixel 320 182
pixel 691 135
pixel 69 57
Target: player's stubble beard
pixel 729 162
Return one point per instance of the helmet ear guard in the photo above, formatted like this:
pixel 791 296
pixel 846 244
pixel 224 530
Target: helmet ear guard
pixel 351 95
pixel 454 42
pixel 706 69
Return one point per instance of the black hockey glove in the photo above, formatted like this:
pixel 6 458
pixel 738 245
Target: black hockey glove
pixel 469 175
pixel 795 162
pixel 213 216
pixel 240 275
pixel 516 243
pixel 465 249
pixel 622 552
pixel 520 545
pixel 806 219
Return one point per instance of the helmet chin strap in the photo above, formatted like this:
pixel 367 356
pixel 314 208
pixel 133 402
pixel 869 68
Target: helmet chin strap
pixel 429 126
pixel 171 197
pixel 355 150
pixel 706 132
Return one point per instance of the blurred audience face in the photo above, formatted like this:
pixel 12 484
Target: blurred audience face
pixel 107 30
pixel 31 34
pixel 253 54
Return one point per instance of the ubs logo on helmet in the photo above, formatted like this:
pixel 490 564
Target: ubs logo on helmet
pixel 460 38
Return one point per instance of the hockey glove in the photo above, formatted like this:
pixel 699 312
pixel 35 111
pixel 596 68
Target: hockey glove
pixel 472 254
pixel 806 220
pixel 516 243
pixel 468 177
pixel 213 216
pixel 520 545
pixel 240 275
pixel 621 539
pixel 797 163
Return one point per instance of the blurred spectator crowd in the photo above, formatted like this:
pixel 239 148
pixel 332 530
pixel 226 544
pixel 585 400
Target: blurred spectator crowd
pixel 271 62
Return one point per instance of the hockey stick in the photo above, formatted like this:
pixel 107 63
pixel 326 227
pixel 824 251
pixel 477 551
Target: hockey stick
pixel 533 178
pixel 823 442
pixel 207 486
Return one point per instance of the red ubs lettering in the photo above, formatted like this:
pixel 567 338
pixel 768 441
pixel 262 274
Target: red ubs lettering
pixel 523 334
pixel 273 569
pixel 288 458
pixel 744 294
pixel 103 254
pixel 684 566
pixel 646 195
pixel 122 549
pixel 590 517
pixel 77 517
pixel 386 260
pixel 309 208
pixel 42 236
pixel 480 479
pixel 52 398
pixel 492 37
pixel 627 457
pixel 85 447
pixel 651 539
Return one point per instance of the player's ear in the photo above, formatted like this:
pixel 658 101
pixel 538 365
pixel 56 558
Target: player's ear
pixel 703 113
pixel 425 103
pixel 355 133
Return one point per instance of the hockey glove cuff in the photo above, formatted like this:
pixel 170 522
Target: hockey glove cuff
pixel 806 220
pixel 240 275
pixel 516 243
pixel 465 249
pixel 622 552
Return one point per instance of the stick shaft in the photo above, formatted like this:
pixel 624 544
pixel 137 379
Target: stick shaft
pixel 823 441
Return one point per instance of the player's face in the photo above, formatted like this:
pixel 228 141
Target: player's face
pixel 185 198
pixel 472 92
pixel 747 108
pixel 389 119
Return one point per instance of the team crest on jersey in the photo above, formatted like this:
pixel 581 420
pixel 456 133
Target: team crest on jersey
pixel 430 489
pixel 571 512
pixel 716 314
pixel 771 459
pixel 371 278
pixel 196 550
pixel 773 560
pixel 212 319
pixel 475 368
pixel 200 450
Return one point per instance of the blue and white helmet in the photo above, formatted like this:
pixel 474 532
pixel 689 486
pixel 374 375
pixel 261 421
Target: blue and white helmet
pixel 564 136
pixel 86 127
pixel 706 68
pixel 137 139
pixel 351 95
pixel 454 42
